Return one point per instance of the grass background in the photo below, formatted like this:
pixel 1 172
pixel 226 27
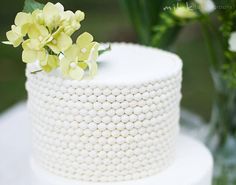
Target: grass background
pixel 107 22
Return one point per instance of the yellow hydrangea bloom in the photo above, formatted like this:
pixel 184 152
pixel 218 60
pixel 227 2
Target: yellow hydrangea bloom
pixel 70 64
pixel 71 21
pixel 46 61
pixel 60 42
pixel 85 44
pixel 30 56
pixel 24 21
pixel 39 36
pixel 51 62
pixel 38 17
pixel 52 15
pixel 15 36
pixel 80 56
pixel 45 35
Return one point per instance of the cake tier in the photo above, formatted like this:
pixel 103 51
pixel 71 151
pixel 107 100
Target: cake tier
pixel 193 166
pixel 122 125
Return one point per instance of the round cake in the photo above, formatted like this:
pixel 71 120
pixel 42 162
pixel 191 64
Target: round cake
pixel 121 125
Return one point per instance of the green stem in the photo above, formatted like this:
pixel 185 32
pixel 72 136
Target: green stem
pixel 34 72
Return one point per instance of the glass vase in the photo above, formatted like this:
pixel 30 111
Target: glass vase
pixel 222 136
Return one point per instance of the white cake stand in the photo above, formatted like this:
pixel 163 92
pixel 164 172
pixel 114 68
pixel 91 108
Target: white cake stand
pixel 193 164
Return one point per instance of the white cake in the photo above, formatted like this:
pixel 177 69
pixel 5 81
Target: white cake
pixel 122 125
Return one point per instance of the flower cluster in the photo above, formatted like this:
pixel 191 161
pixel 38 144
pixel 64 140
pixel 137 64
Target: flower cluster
pixel 45 36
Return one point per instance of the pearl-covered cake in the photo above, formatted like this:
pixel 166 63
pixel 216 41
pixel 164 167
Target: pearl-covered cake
pixel 122 125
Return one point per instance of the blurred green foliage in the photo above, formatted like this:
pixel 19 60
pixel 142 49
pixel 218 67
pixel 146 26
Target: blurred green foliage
pixel 147 15
pixel 107 22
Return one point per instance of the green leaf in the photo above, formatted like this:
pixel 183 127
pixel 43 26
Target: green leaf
pixel 31 5
pixel 100 52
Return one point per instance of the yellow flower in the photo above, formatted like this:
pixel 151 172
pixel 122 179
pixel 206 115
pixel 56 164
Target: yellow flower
pixel 60 42
pixel 79 15
pixel 38 37
pixel 85 44
pixel 15 36
pixel 24 21
pixel 70 64
pixel 30 56
pixel 79 57
pixel 47 62
pixel 52 15
pixel 45 36
pixel 51 62
pixel 71 21
pixel 38 17
pixel 88 52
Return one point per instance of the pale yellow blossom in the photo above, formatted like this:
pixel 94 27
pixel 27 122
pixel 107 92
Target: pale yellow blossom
pixel 15 36
pixel 70 64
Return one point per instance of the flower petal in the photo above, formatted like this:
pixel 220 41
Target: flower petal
pixel 51 14
pixel 79 15
pixel 37 31
pixel 76 73
pixel 38 16
pixel 33 44
pixel 62 43
pixel 72 53
pixel 83 65
pixel 93 52
pixel 93 68
pixel 84 39
pixel 23 18
pixel 60 7
pixel 65 66
pixel 29 56
pixel 14 38
pixel 51 63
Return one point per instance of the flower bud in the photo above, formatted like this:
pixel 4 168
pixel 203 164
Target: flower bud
pixel 79 15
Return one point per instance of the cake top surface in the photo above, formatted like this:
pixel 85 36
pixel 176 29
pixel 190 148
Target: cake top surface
pixel 130 63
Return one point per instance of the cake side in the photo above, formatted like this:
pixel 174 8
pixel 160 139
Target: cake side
pixel 193 166
pixel 87 130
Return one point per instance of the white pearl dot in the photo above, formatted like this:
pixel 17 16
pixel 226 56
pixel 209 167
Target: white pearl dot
pixel 120 126
pixel 97 133
pixel 111 126
pixel 115 133
pixel 116 119
pixel 106 133
pixel 83 50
